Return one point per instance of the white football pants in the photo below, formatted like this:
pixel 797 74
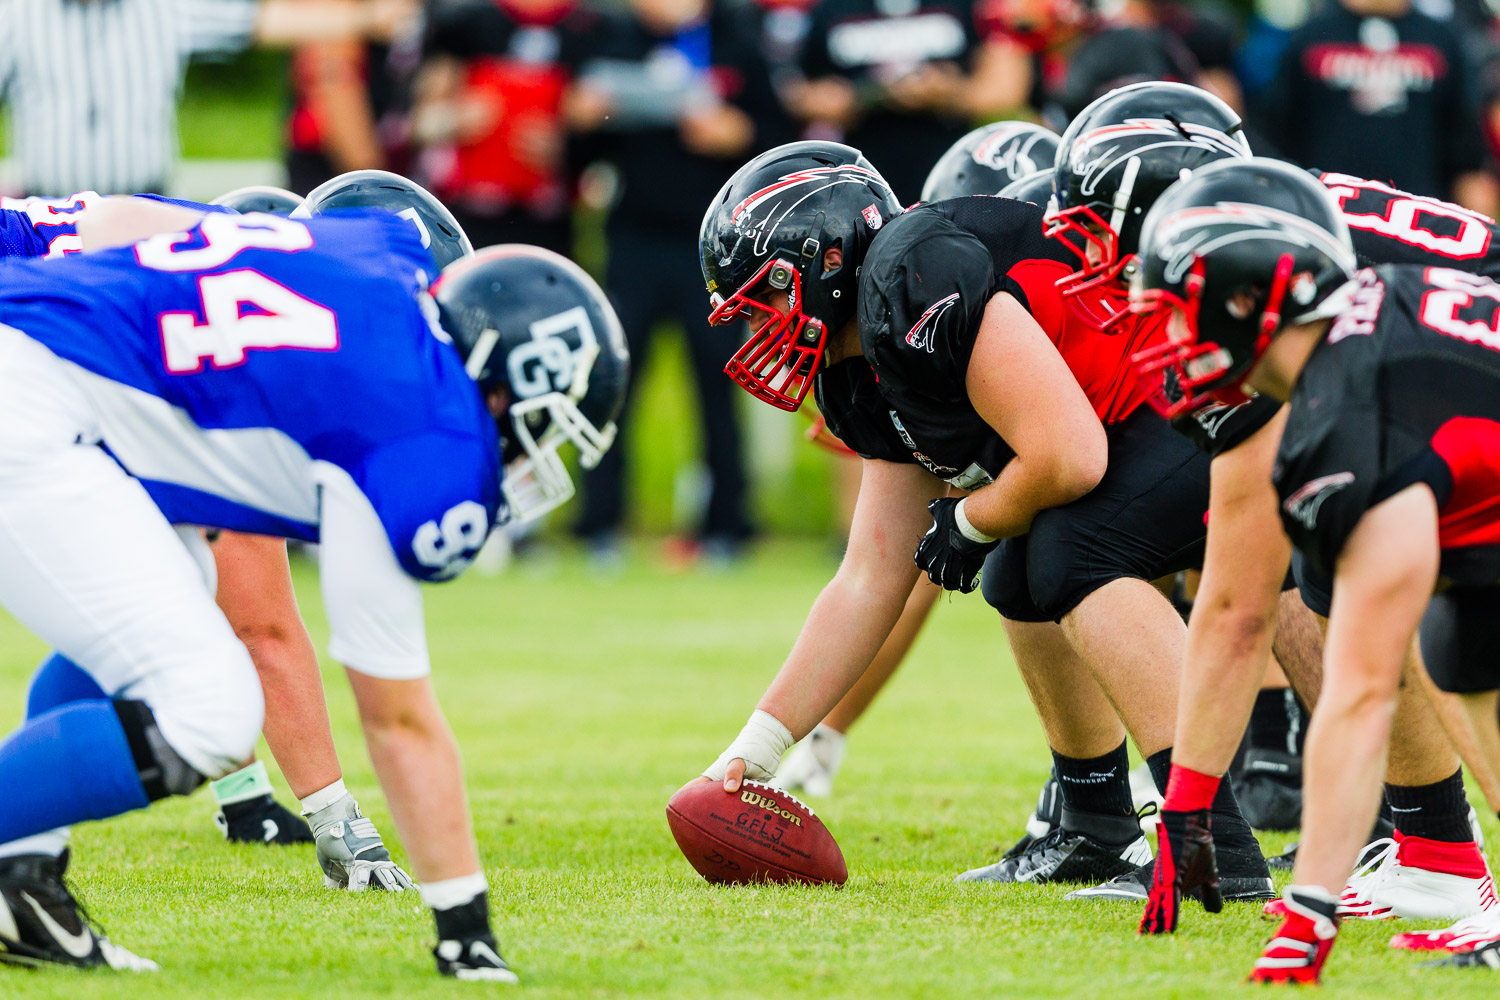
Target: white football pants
pixel 89 564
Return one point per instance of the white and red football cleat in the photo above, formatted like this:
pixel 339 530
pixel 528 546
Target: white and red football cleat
pixel 1416 878
pixel 1300 946
pixel 1468 934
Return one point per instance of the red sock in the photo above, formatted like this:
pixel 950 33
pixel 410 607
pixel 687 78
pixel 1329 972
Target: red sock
pixel 1441 856
pixel 1189 790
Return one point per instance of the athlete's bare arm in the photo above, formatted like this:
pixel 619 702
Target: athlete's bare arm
pixel 1234 615
pixel 118 222
pixel 1020 385
pixel 856 611
pixel 255 593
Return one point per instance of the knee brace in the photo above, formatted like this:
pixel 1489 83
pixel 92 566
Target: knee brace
pixel 163 771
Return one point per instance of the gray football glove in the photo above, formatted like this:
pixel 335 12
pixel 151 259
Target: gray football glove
pixel 350 850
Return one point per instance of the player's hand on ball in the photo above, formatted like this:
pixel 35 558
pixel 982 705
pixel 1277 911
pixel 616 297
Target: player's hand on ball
pixel 1184 865
pixel 949 557
pixel 351 852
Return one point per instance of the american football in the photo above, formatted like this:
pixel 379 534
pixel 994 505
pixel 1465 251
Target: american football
pixel 760 834
pixel 401 495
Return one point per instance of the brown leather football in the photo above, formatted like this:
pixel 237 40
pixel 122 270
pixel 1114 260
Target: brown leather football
pixel 759 834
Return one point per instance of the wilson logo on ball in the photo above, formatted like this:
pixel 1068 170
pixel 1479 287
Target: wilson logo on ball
pixel 769 805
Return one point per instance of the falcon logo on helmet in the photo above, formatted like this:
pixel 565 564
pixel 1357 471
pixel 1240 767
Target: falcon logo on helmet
pixel 781 246
pixel 988 159
pixel 1116 159
pixel 1226 250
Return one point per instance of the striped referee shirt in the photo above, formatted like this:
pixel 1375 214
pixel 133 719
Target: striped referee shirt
pixel 92 85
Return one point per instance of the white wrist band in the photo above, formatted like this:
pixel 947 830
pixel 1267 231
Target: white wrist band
pixel 966 529
pixel 760 745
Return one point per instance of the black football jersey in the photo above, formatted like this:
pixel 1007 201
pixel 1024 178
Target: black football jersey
pixel 923 290
pixel 1404 389
pixel 1388 226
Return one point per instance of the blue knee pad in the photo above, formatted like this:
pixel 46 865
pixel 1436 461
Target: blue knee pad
pixel 58 681
pixel 68 764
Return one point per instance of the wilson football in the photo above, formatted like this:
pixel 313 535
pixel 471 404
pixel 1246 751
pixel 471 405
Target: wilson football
pixel 759 834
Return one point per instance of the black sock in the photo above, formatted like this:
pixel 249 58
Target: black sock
pixel 1439 811
pixel 464 921
pixel 1239 852
pixel 1096 784
pixel 1276 722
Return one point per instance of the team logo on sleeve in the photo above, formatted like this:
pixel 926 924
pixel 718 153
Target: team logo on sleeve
pixel 920 335
pixel 1304 504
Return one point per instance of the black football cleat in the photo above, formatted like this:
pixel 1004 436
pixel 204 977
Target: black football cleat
pixel 41 924
pixel 1083 847
pixel 475 959
pixel 1043 819
pixel 1268 786
pixel 261 820
pixel 1484 957
pixel 1135 886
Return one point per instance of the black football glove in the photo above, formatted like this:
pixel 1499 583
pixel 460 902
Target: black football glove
pixel 951 560
pixel 1184 865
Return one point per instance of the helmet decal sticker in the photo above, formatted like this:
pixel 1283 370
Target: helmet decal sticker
pixel 780 199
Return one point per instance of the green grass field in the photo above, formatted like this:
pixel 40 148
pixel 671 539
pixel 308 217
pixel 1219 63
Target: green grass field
pixel 581 704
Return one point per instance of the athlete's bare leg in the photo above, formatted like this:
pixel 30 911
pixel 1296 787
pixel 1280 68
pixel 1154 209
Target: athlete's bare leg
pixel 1480 710
pixel 1132 639
pixel 1077 717
pixel 854 704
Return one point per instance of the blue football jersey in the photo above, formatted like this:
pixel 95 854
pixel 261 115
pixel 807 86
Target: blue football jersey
pixel 48 227
pixel 235 367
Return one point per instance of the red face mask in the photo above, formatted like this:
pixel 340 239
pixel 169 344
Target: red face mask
pixel 776 364
pixel 1096 291
pixel 1199 367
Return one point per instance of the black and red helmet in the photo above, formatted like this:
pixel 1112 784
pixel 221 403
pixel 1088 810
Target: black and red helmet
pixel 989 158
pixel 1114 161
pixel 764 249
pixel 1240 250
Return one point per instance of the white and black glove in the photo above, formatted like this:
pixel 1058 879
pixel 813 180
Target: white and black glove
pixel 350 850
pixel 952 552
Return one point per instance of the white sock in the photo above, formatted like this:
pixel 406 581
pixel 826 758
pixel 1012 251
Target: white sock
pixel 451 892
pixel 827 746
pixel 53 842
pixel 324 797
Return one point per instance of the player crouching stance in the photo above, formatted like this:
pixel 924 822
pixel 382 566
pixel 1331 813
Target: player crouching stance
pixel 280 377
pixel 1386 474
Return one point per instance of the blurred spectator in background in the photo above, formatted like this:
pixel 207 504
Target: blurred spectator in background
pixel 488 113
pixel 901 80
pixel 1376 89
pixel 1062 54
pixel 674 94
pixel 92 85
pixel 348 106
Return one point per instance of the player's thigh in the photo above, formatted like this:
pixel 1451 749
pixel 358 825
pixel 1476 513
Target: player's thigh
pixel 1144 520
pixel 92 568
pixel 1460 633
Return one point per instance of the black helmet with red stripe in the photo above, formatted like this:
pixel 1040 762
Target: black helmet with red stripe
pixel 781 246
pixel 534 327
pixel 1035 188
pixel 1115 159
pixel 989 158
pixel 1240 250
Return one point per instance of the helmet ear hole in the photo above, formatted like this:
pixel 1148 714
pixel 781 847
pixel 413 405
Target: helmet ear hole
pixel 1241 303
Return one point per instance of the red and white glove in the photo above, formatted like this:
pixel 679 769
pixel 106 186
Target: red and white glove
pixel 1184 852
